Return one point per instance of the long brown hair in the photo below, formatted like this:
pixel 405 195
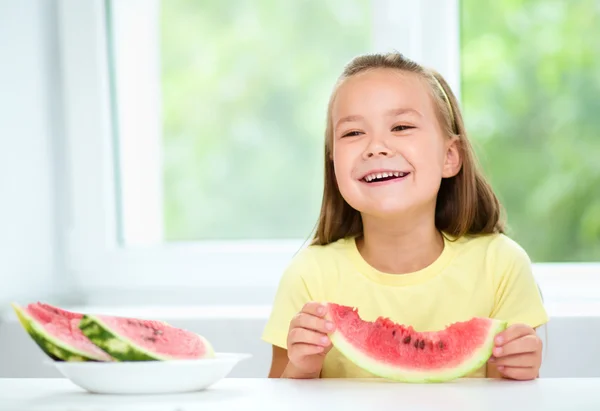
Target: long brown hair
pixel 466 203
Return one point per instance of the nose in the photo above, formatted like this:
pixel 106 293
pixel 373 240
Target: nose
pixel 376 148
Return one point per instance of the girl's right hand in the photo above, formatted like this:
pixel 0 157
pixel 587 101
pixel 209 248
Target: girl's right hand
pixel 307 341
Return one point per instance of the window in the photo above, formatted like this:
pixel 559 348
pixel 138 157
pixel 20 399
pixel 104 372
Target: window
pixel 194 154
pixel 220 111
pixel 530 89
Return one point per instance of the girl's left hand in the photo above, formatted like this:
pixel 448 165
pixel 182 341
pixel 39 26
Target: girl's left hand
pixel 518 353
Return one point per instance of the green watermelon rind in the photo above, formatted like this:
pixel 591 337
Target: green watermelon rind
pixel 52 347
pixel 122 348
pixel 397 373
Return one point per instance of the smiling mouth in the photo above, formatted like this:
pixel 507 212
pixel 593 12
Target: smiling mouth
pixel 384 176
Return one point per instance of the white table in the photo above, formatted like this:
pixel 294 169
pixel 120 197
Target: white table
pixel 313 395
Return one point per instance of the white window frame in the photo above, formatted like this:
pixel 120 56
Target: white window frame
pixel 426 31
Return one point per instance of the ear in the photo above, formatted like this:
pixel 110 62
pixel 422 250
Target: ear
pixel 452 160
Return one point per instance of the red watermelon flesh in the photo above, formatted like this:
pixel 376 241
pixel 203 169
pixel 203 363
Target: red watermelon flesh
pixel 158 338
pixel 56 311
pixel 71 336
pixel 57 332
pixel 398 352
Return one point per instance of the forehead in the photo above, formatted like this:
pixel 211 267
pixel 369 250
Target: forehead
pixel 379 90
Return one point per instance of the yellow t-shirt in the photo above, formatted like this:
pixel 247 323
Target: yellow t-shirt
pixel 486 276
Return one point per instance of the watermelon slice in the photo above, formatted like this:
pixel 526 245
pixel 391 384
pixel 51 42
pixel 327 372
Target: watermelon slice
pixel 398 352
pixel 57 333
pixel 132 339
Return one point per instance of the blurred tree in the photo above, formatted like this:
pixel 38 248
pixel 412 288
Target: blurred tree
pixel 530 88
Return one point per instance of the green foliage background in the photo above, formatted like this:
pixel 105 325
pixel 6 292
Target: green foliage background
pixel 531 98
pixel 245 88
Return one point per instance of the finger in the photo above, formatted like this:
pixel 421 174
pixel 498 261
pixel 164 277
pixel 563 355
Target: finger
pixel 304 336
pixel 303 350
pixel 520 360
pixel 527 344
pixel 518 373
pixel 314 308
pixel 512 333
pixel 311 322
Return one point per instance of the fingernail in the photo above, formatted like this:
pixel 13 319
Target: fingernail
pixel 321 310
pixel 325 340
pixel 492 359
pixel 500 367
pixel 497 351
pixel 329 325
pixel 499 340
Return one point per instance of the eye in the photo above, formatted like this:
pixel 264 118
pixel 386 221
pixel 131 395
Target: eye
pixel 351 134
pixel 402 128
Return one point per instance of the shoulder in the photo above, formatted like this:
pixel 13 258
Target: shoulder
pixel 312 262
pixel 324 253
pixel 506 254
pixel 307 277
pixel 505 264
pixel 496 256
pixel 497 249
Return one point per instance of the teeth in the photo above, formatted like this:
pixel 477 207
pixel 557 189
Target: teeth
pixel 377 176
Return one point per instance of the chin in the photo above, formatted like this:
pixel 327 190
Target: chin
pixel 393 208
pixel 386 210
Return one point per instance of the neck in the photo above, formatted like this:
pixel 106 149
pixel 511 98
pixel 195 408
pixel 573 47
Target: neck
pixel 400 246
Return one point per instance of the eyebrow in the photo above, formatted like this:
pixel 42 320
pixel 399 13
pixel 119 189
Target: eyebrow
pixel 393 112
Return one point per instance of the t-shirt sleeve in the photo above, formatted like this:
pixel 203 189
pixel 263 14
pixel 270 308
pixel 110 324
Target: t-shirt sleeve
pixel 518 299
pixel 292 293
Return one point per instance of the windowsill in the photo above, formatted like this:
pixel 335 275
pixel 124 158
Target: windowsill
pixel 261 312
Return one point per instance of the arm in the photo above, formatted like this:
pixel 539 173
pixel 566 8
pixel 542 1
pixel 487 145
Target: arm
pixel 518 349
pixel 297 287
pixel 492 371
pixel 281 367
pixel 517 354
pixel 279 362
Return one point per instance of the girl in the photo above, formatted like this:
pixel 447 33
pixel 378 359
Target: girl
pixel 409 229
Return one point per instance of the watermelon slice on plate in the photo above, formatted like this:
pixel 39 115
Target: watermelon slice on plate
pixel 398 352
pixel 132 339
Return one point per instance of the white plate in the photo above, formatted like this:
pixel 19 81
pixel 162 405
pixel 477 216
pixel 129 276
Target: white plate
pixel 149 377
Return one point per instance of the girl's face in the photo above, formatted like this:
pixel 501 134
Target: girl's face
pixel 389 151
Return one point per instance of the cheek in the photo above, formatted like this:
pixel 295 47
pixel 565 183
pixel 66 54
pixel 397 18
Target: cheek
pixel 343 166
pixel 428 158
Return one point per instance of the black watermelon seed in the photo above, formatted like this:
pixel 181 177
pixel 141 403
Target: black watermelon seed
pixel 151 339
pixel 394 333
pixel 422 344
pixel 406 340
pixel 158 332
pixel 416 343
pixel 441 345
